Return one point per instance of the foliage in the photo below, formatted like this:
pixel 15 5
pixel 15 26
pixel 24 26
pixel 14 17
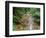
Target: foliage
pixel 19 11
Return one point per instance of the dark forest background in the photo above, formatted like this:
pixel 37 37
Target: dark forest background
pixel 19 11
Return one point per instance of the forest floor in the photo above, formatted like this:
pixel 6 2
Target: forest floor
pixel 20 27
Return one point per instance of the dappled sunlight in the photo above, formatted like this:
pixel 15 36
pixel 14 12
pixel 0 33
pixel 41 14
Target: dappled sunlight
pixel 26 19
